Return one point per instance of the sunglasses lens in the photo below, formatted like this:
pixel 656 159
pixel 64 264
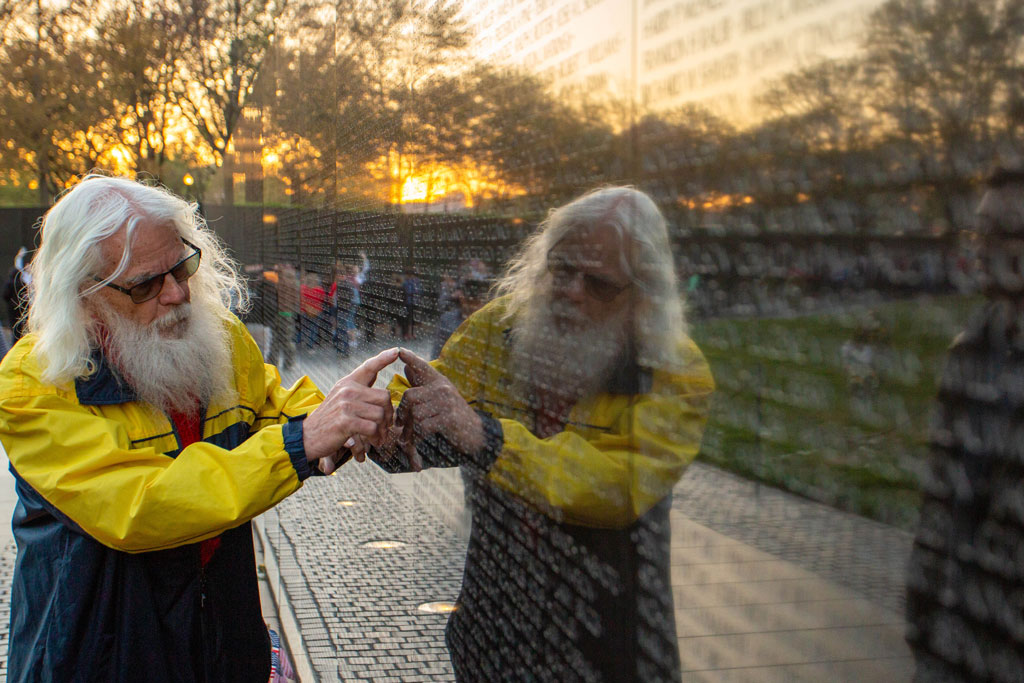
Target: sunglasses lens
pixel 144 291
pixel 600 289
pixel 186 268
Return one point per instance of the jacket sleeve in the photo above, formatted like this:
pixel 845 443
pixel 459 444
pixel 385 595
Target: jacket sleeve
pixel 137 499
pixel 284 404
pixel 610 478
pixel 602 477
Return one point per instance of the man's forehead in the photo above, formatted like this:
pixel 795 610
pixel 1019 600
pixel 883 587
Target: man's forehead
pixel 600 244
pixel 150 241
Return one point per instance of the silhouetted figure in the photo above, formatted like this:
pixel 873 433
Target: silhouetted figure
pixel 965 587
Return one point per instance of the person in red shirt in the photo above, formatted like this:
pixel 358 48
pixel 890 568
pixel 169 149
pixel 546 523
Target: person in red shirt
pixel 313 302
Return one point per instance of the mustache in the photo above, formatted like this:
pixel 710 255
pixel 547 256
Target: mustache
pixel 178 314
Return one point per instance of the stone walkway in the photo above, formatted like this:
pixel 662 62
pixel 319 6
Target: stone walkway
pixel 767 586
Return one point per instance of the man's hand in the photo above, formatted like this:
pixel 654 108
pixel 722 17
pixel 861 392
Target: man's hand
pixel 353 415
pixel 432 405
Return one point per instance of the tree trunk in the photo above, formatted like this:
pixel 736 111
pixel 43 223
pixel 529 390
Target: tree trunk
pixel 43 177
pixel 228 169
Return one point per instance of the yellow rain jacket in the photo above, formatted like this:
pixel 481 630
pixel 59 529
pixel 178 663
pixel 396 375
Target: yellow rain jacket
pixel 111 510
pixel 567 570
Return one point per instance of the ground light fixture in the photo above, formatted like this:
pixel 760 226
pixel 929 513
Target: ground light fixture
pixel 439 607
pixel 384 544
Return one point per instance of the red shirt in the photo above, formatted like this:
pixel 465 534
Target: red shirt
pixel 313 299
pixel 189 428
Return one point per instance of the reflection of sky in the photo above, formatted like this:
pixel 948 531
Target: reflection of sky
pixel 720 52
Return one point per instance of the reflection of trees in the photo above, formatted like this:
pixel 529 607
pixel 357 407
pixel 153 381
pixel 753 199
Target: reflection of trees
pixel 683 161
pixel 399 46
pixel 891 139
pixel 826 102
pixel 945 75
pixel 350 100
pixel 906 127
pixel 529 137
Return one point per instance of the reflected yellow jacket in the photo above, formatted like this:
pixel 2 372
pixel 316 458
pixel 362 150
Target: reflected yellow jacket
pixel 114 467
pixel 619 453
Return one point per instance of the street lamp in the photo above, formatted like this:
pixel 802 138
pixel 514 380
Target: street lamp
pixel 188 180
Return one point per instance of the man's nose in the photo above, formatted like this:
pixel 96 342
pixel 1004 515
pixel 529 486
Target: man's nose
pixel 173 292
pixel 573 288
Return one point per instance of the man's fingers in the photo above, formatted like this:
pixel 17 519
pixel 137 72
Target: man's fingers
pixel 366 374
pixel 358 448
pixel 417 370
pixel 368 411
pixel 363 427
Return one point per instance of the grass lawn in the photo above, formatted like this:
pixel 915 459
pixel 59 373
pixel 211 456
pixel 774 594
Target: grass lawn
pixel 790 410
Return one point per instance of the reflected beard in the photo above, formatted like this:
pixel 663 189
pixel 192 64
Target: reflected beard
pixel 177 363
pixel 560 357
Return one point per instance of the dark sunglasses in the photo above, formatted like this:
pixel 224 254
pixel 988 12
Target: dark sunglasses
pixel 149 288
pixel 598 287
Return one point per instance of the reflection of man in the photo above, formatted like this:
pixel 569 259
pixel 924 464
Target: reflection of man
pixel 573 403
pixel 965 591
pixel 144 431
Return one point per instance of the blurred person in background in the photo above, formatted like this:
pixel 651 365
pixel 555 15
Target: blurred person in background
pixel 965 584
pixel 344 301
pixel 144 432
pixel 573 403
pixel 468 296
pixel 341 298
pixel 285 278
pixel 313 320
pixel 446 292
pixel 16 294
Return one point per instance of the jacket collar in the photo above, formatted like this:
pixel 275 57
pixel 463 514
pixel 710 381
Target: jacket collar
pixel 103 387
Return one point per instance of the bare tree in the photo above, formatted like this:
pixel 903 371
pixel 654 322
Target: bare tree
pixel 944 74
pixel 49 94
pixel 140 45
pixel 229 42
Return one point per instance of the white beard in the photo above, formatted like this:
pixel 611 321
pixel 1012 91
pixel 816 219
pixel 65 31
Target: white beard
pixel 176 364
pixel 560 357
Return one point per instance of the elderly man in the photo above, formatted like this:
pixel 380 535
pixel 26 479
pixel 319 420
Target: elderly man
pixel 144 432
pixel 965 587
pixel 573 403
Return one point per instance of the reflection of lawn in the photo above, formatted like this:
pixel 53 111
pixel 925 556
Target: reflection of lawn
pixel 787 412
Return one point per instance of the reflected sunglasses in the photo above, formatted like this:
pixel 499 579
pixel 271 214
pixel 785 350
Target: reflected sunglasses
pixel 151 287
pixel 598 287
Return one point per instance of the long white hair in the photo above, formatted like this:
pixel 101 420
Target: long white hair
pixel 658 320
pixel 69 258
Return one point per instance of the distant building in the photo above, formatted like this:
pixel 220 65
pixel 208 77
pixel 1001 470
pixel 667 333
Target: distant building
pixel 717 52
